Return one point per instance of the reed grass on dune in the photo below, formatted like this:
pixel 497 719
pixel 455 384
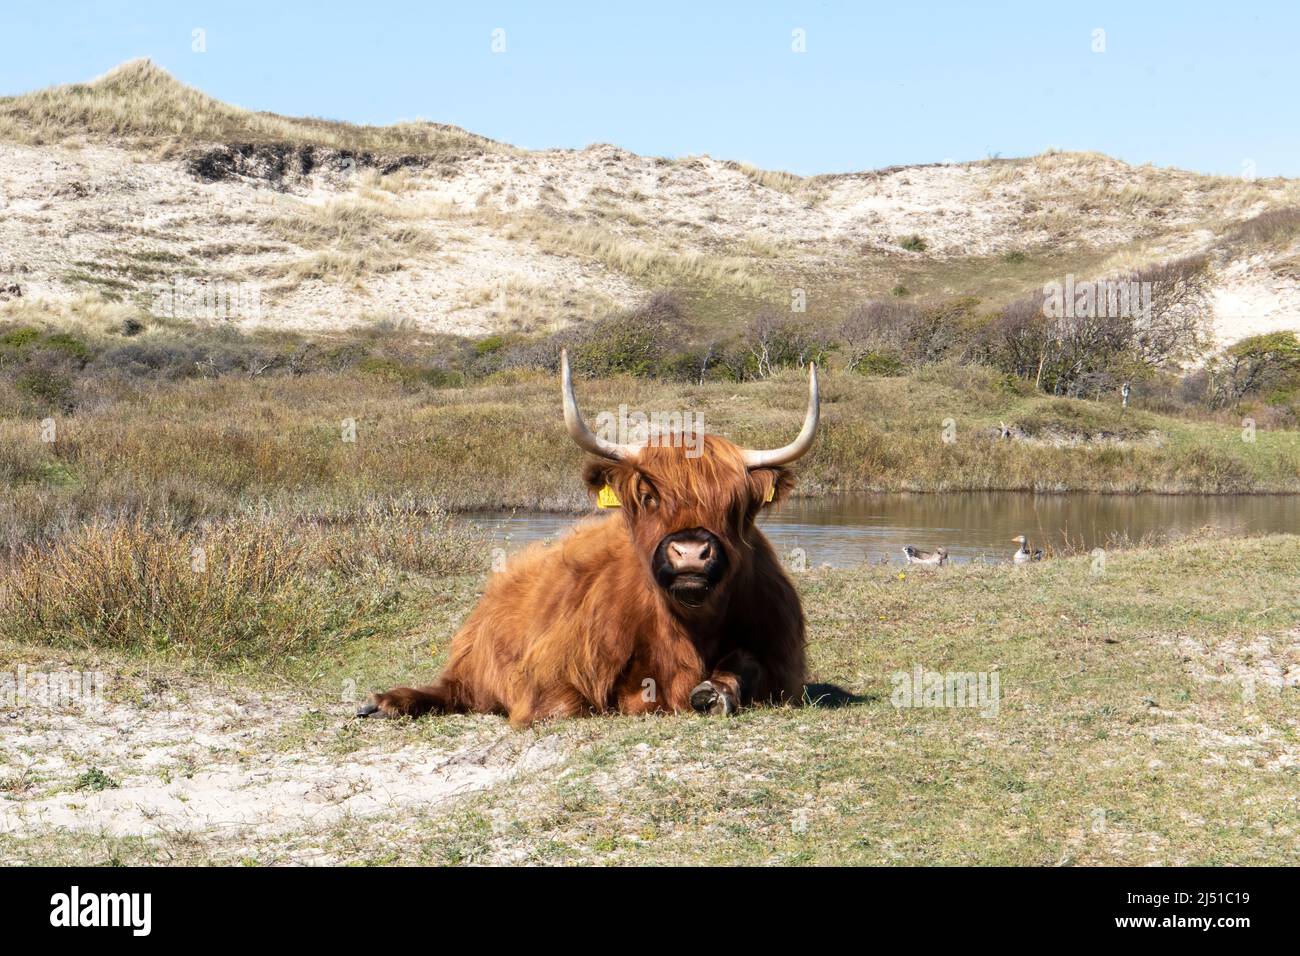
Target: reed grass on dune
pixel 142 101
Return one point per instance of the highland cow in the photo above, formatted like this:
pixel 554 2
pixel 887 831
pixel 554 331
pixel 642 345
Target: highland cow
pixel 678 602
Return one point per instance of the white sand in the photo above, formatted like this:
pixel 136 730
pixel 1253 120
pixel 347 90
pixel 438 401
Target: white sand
pixel 66 212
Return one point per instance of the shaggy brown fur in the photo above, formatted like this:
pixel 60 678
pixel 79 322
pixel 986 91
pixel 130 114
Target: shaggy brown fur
pixel 584 628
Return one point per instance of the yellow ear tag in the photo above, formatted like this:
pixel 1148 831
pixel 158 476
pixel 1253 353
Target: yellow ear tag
pixel 606 498
pixel 771 493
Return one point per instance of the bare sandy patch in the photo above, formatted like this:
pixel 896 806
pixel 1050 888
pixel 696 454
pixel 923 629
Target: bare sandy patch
pixel 1252 299
pixel 235 767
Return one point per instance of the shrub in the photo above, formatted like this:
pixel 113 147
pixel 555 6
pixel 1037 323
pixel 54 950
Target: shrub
pixel 489 344
pixel 1271 227
pixel 941 331
pixel 1073 354
pixel 692 365
pixel 874 328
pixel 1254 366
pixel 96 780
pixel 68 344
pixel 154 358
pixel 47 383
pixel 20 337
pixel 912 335
pixel 1177 327
pixel 880 363
pixel 633 344
pixel 1015 341
pixel 409 374
pixel 640 341
pixel 776 341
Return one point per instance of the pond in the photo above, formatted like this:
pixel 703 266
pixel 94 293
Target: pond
pixel 847 530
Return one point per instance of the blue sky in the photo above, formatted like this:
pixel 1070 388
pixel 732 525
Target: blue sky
pixel 1204 86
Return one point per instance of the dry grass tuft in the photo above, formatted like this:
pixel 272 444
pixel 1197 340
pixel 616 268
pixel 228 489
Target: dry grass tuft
pixel 646 261
pixel 258 586
pixel 775 179
pixel 352 238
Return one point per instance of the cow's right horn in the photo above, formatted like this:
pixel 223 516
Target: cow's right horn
pixel 803 441
pixel 578 428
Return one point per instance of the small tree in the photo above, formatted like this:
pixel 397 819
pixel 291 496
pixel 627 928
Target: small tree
pixel 1253 366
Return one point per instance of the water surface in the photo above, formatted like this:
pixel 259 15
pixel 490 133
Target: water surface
pixel 846 530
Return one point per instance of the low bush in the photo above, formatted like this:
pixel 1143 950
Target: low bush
pixel 1271 227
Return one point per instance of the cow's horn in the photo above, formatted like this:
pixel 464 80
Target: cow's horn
pixel 799 447
pixel 578 428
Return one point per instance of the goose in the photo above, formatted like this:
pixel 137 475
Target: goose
pixel 1024 554
pixel 915 556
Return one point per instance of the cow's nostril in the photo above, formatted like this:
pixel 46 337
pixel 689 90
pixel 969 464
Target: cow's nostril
pixel 689 554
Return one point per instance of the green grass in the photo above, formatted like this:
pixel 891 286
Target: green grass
pixel 1125 735
pixel 1080 766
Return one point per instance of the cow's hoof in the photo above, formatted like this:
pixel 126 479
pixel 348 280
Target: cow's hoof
pixel 375 707
pixel 709 698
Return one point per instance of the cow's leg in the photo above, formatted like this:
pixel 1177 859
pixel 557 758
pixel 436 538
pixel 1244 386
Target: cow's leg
pixel 735 679
pixel 441 697
pixel 561 703
pixel 637 700
pixel 640 695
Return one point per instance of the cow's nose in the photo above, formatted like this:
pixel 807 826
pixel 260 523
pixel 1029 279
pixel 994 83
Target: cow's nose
pixel 687 556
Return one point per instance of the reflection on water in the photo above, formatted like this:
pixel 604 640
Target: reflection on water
pixel 851 529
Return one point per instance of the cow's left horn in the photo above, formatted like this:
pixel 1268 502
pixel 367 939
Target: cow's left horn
pixel 799 447
pixel 578 428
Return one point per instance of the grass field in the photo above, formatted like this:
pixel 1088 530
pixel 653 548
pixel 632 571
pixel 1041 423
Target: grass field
pixel 214 448
pixel 1147 712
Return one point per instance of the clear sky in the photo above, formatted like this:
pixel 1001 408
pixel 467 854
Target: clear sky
pixel 1205 86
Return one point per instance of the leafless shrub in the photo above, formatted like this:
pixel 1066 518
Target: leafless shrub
pixel 876 327
pixel 1093 349
pixel 910 334
pixel 1177 326
pixel 775 341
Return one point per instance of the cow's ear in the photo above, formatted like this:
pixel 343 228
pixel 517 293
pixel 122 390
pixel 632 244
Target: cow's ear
pixel 597 474
pixel 770 485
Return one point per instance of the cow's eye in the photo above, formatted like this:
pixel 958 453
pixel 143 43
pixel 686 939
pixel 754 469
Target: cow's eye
pixel 649 502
